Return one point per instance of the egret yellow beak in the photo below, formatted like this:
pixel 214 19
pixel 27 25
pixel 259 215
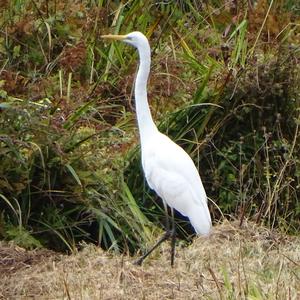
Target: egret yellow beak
pixel 113 36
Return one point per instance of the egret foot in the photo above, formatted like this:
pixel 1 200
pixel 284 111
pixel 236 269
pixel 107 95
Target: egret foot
pixel 168 234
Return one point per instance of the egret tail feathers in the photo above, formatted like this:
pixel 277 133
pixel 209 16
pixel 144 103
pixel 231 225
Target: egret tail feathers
pixel 200 219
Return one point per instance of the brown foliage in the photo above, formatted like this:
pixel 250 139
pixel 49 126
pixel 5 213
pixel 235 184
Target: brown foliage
pixel 14 83
pixel 274 23
pixel 73 57
pixel 23 27
pixel 14 258
pixel 4 4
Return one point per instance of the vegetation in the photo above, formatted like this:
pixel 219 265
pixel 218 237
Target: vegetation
pixel 225 85
pixel 234 263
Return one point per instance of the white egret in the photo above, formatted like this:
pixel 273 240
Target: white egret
pixel 168 169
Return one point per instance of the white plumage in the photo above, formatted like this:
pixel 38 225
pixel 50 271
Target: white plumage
pixel 171 173
pixel 169 170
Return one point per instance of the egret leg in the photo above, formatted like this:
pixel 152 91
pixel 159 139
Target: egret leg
pixel 167 216
pixel 173 238
pixel 165 237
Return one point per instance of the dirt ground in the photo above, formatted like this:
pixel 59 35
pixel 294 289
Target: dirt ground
pixel 233 263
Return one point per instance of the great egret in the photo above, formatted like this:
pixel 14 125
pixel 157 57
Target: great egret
pixel 168 169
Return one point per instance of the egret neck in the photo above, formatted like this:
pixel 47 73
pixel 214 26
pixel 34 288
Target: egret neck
pixel 145 122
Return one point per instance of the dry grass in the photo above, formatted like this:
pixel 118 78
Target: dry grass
pixel 234 263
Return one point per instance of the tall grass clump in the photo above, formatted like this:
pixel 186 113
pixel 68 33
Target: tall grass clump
pixel 57 184
pixel 62 131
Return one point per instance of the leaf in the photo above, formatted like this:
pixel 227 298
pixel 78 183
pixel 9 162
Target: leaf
pixel 76 115
pixel 74 174
pixel 22 237
pixel 142 219
pixel 16 51
pixel 4 105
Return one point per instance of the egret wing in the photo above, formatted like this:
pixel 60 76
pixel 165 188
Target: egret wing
pixel 162 156
pixel 172 174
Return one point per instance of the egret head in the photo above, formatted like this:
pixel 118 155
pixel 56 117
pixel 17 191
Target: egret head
pixel 135 38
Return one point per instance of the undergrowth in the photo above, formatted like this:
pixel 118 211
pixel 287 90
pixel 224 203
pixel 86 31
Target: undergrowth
pixel 224 85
